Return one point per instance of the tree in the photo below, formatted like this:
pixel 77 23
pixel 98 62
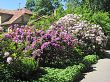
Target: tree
pixel 42 7
pixel 97 5
pixel 30 4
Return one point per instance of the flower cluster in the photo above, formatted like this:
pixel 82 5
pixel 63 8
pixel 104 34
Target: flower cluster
pixel 23 34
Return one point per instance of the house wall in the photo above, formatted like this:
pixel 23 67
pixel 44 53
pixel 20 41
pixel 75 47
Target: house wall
pixel 0 20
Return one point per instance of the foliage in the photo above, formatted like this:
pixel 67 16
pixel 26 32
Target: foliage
pixel 90 59
pixel 41 8
pixel 45 21
pixel 96 5
pixel 42 22
pixel 30 4
pixel 71 73
pixel 62 75
pixel 21 68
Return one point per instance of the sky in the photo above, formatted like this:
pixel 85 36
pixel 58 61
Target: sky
pixel 12 4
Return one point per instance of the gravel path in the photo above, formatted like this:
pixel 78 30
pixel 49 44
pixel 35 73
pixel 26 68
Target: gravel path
pixel 101 72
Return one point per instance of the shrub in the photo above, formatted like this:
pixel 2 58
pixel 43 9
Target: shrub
pixel 22 68
pixel 51 48
pixel 68 74
pixel 57 48
pixel 90 59
pixel 98 17
pixel 90 37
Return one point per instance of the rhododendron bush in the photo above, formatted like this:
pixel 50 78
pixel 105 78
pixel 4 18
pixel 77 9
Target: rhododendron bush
pixel 51 48
pixel 91 37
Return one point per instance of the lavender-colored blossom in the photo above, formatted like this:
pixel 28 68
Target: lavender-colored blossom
pixel 47 36
pixel 27 48
pixel 42 32
pixel 56 45
pixel 8 36
pixel 32 46
pixel 57 39
pixel 17 29
pixel 61 28
pixel 16 39
pixel 54 39
pixel 21 32
pixel 33 38
pixel 49 31
pixel 44 45
pixel 22 26
pixel 16 25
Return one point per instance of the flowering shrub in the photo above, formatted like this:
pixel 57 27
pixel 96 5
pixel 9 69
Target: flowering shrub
pixel 57 47
pixel 51 48
pixel 91 37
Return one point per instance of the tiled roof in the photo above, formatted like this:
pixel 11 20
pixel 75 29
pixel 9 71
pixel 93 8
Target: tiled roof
pixel 4 11
pixel 15 11
pixel 16 14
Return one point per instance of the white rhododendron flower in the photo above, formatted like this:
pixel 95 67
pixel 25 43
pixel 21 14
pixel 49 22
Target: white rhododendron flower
pixel 6 54
pixel 9 60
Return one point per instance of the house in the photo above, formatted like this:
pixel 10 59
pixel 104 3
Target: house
pixel 9 17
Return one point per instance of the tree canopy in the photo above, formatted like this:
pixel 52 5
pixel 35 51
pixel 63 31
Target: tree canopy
pixel 42 7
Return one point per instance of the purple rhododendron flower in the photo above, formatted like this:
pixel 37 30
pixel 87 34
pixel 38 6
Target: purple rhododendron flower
pixel 16 39
pixel 32 46
pixel 58 38
pixel 42 32
pixel 33 38
pixel 44 45
pixel 27 47
pixel 22 26
pixel 55 45
pixel 55 39
pixel 17 29
pixel 47 36
pixel 61 28
pixel 8 36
